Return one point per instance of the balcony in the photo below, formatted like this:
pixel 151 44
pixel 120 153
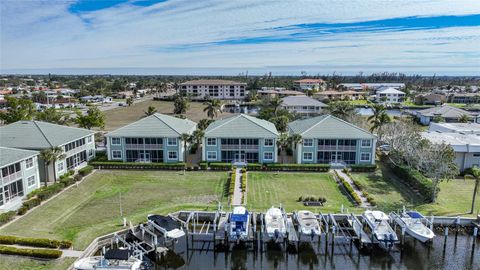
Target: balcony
pixel 337 148
pixel 143 146
pixel 12 177
pixel 239 147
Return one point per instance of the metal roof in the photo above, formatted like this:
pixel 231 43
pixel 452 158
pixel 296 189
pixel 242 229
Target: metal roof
pixel 445 111
pixel 12 155
pixel 39 135
pixel 328 127
pixel 301 101
pixel 241 126
pixel 156 125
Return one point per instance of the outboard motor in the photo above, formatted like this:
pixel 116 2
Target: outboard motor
pixel 385 240
pixel 391 238
pixel 276 233
pixel 312 234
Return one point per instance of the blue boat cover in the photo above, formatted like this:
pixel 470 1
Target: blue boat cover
pixel 241 218
pixel 414 214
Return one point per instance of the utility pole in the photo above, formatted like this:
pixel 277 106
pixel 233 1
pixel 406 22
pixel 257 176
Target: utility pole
pixel 121 210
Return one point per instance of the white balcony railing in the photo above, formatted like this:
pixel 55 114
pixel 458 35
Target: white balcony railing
pixel 12 177
pixel 238 147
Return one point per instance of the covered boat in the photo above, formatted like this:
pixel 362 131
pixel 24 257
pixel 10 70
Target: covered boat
pixel 167 225
pixel 308 223
pixel 381 230
pixel 275 223
pixel 239 223
pixel 114 259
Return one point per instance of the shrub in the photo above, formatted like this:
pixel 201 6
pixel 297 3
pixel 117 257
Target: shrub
pixel 22 210
pixel 220 166
pixel 138 166
pixel 254 166
pixel 297 167
pixel 49 191
pixel 34 242
pixel 77 178
pixel 415 179
pixel 85 170
pixel 349 189
pixel 363 168
pixel 203 165
pixel 300 199
pixel 27 205
pixel 67 181
pixel 193 149
pixel 38 253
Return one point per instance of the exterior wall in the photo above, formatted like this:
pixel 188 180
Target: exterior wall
pixel 466 160
pixel 261 150
pixel 236 91
pixel 304 109
pixel 23 174
pixel 391 98
pixel 164 147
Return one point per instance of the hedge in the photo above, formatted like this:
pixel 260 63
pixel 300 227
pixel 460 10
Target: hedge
pixel 38 253
pixel 85 170
pixel 349 188
pixel 34 242
pixel 254 166
pixel 135 165
pixel 415 179
pixel 47 192
pixel 6 217
pixel 363 167
pixel 297 167
pixel 220 166
pixel 203 165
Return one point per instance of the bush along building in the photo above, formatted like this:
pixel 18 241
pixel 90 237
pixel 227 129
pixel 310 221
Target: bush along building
pixel 329 140
pixel 240 138
pixel 156 138
pixel 77 145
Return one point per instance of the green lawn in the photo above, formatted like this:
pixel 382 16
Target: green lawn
pixel 93 209
pixel 17 262
pixel 267 189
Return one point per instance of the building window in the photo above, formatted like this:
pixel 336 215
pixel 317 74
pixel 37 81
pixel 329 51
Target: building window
pixel 89 139
pixel 366 143
pixel 268 142
pixel 308 142
pixel 211 155
pixel 268 156
pixel 365 157
pixel 172 155
pixel 211 142
pixel 29 163
pixel 116 154
pixel 31 181
pixel 476 154
pixel 308 156
pixel 90 153
pixel 171 141
pixel 115 141
pixel 60 167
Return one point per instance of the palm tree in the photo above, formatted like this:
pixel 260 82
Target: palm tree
pixel 282 143
pixel 213 106
pixel 185 138
pixel 275 104
pixel 49 156
pixel 379 117
pixel 474 174
pixel 129 101
pixel 180 104
pixel 150 111
pixel 342 109
pixel 204 123
pixel 295 139
pixel 464 118
pixel 176 86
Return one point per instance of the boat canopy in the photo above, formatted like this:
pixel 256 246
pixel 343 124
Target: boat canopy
pixel 165 222
pixel 239 218
pixel 117 254
pixel 414 214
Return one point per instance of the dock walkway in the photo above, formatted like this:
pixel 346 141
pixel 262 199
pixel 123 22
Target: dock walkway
pixel 237 192
pixel 347 178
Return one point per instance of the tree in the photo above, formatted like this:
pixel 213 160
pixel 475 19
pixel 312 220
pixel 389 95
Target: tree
pixel 213 106
pixel 464 118
pixel 204 123
pixel 281 122
pixel 18 109
pixel 282 143
pixel 295 139
pixel 379 118
pixel 50 156
pixel 180 104
pixel 197 136
pixel 150 111
pixel 475 175
pixel 117 86
pixel 186 138
pixel 342 109
pixel 438 119
pixel 52 115
pixel 252 96
pixel 176 86
pixel 93 118
pixel 129 101
pixel 275 104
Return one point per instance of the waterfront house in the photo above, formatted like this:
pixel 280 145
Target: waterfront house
pixel 465 98
pixel 155 138
pixel 309 84
pixel 430 99
pixel 447 113
pixel 302 105
pixel 339 95
pixel 18 176
pixel 216 89
pixel 390 96
pixel 78 144
pixel 463 128
pixel 329 140
pixel 240 138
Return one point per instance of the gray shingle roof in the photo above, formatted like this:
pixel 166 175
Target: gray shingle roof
pixel 301 101
pixel 12 155
pixel 328 126
pixel 39 135
pixel 157 125
pixel 241 126
pixel 445 111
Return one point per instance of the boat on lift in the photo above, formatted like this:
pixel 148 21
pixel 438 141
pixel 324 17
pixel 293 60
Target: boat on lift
pixel 166 225
pixel 415 225
pixel 275 223
pixel 308 224
pixel 381 230
pixel 113 259
pixel 239 223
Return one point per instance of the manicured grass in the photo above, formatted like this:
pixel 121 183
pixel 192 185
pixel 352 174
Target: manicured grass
pixel 17 262
pixel 122 116
pixel 360 102
pixel 93 208
pixel 267 189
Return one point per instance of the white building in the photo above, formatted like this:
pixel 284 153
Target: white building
pixel 216 89
pixel 390 96
pixel 464 128
pixel 309 84
pixel 302 105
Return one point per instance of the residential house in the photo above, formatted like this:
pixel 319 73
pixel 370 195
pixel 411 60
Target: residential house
pixel 216 89
pixel 329 140
pixel 78 144
pixel 339 95
pixel 280 93
pixel 465 98
pixel 447 113
pixel 18 176
pixel 240 138
pixel 377 86
pixel 352 86
pixel 463 128
pixel 309 84
pixel 302 105
pixel 430 99
pixel 155 138
pixel 390 96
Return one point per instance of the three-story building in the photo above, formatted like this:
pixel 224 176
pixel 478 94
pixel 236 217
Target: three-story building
pixel 216 89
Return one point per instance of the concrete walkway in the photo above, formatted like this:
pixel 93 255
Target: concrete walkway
pixel 347 178
pixel 237 192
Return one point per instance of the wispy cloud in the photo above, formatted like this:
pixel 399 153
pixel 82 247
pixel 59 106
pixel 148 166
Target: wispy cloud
pixel 321 36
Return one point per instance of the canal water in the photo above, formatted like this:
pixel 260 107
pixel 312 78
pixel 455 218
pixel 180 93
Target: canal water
pixel 456 253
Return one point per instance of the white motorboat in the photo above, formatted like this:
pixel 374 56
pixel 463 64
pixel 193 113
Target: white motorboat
pixel 114 259
pixel 308 223
pixel 275 223
pixel 381 230
pixel 167 225
pixel 414 226
pixel 239 223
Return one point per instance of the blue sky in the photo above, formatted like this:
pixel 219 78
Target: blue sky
pixel 228 37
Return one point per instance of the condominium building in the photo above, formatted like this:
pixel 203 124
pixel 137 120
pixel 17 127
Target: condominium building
pixel 216 89
pixel 309 84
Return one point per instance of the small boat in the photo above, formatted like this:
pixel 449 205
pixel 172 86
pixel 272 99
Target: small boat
pixel 166 225
pixel 414 225
pixel 308 223
pixel 239 222
pixel 275 223
pixel 381 230
pixel 114 259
